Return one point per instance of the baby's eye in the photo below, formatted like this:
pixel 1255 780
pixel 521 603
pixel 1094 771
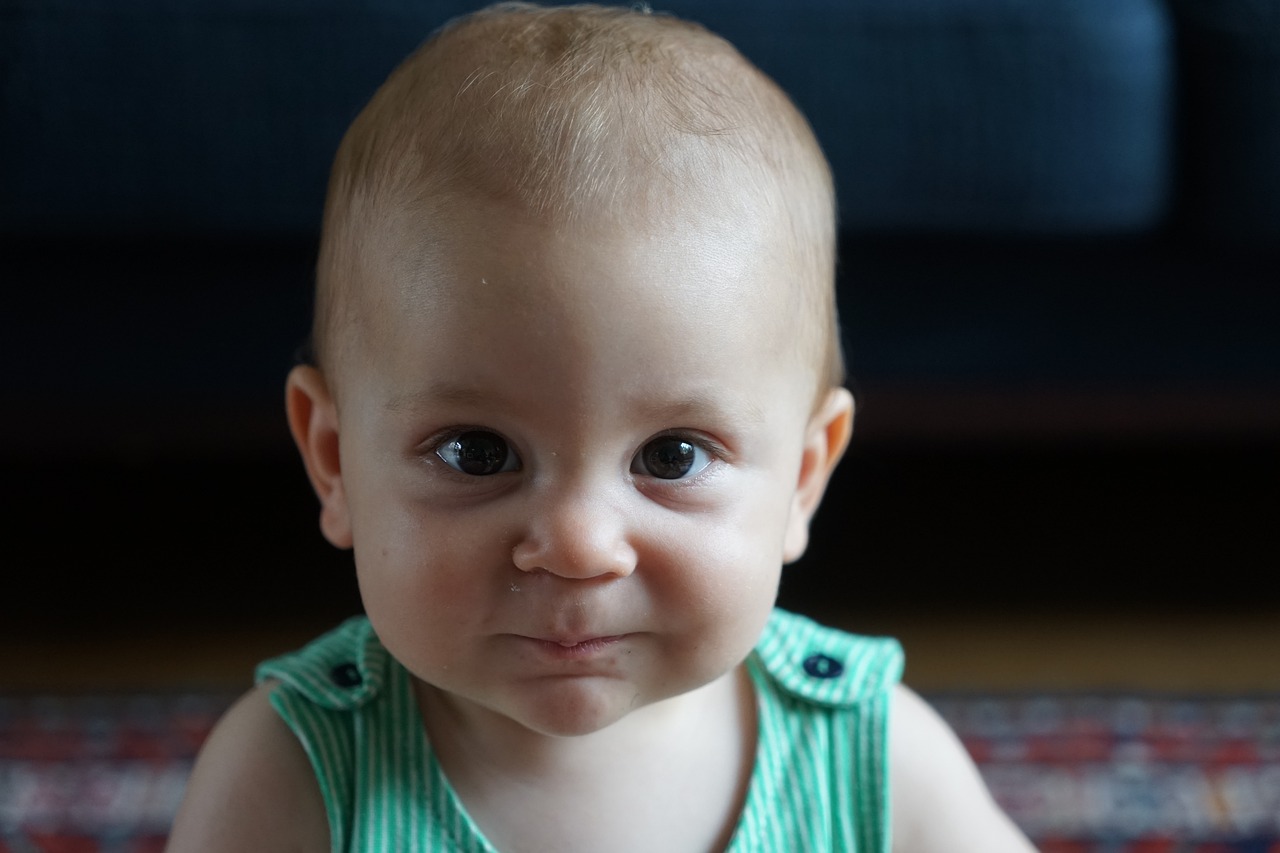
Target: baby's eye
pixel 670 457
pixel 478 453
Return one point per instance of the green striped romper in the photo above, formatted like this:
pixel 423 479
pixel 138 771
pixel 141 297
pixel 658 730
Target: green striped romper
pixel 820 782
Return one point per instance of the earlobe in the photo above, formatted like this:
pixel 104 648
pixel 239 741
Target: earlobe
pixel 313 420
pixel 826 439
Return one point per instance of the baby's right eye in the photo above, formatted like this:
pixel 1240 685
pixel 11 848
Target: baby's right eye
pixel 478 453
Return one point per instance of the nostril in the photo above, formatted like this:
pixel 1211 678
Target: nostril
pixel 525 557
pixel 581 562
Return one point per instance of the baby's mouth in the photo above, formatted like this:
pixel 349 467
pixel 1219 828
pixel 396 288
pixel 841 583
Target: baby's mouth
pixel 576 646
pixel 570 641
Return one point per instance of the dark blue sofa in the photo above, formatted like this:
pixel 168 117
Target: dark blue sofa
pixel 1060 222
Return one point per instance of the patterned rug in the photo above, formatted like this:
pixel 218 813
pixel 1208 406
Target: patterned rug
pixel 1082 774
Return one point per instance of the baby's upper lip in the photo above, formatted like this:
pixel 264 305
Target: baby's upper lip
pixel 575 638
pixel 573 629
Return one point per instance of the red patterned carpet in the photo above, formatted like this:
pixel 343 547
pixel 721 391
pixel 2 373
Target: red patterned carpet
pixel 1155 774
pixel 1081 773
pixel 97 773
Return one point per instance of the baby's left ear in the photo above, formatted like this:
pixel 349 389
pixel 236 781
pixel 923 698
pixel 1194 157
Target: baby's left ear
pixel 826 438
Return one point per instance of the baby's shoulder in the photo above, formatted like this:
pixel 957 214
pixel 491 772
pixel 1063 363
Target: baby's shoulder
pixel 940 802
pixel 252 787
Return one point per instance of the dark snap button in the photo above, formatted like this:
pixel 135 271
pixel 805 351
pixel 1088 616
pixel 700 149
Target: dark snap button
pixel 346 675
pixel 823 666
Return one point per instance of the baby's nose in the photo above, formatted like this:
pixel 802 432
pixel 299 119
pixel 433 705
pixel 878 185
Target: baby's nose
pixel 577 537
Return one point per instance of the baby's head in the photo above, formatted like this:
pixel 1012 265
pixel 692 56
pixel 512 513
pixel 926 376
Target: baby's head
pixel 577 393
pixel 596 116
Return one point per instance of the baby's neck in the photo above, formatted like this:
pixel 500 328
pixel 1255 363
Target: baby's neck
pixel 671 776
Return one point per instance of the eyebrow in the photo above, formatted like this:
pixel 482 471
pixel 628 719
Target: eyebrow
pixel 435 394
pixel 700 407
pixel 689 409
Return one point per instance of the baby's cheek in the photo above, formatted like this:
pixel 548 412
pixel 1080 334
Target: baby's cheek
pixel 737 576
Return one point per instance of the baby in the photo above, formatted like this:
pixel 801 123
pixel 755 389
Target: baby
pixel 576 395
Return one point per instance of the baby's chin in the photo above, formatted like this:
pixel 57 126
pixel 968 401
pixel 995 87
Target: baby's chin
pixel 583 705
pixel 586 709
pixel 581 708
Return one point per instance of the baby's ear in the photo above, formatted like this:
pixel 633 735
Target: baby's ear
pixel 313 420
pixel 826 438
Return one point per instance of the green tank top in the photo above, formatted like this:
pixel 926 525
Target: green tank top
pixel 820 782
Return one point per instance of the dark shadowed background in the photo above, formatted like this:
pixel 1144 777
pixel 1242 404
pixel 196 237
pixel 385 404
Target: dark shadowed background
pixel 1060 230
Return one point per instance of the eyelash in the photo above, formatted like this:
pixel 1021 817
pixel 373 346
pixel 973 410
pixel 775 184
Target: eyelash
pixel 434 446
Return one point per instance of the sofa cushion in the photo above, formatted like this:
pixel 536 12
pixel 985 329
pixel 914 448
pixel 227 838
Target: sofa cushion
pixel 149 116
pixel 989 116
pixel 187 118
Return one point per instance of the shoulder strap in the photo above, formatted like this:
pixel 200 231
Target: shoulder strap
pixel 822 777
pixel 827 666
pixel 319 686
pixel 343 669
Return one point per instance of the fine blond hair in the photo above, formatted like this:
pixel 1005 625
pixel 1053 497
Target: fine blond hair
pixel 565 112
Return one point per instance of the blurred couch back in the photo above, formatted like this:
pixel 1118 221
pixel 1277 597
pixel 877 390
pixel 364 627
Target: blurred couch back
pixel 192 117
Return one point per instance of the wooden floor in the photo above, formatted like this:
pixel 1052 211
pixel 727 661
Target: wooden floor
pixel 1183 652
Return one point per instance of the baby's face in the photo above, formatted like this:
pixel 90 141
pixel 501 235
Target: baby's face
pixel 569 461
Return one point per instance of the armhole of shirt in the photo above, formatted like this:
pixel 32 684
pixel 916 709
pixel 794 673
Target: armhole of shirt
pixel 329 744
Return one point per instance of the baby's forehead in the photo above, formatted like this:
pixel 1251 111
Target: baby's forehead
pixel 505 107
pixel 495 295
pixel 729 235
pixel 496 280
pixel 720 257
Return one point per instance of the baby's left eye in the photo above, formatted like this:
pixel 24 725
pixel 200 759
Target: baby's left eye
pixel 670 457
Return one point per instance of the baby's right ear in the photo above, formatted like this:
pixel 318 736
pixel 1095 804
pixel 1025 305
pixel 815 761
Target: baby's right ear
pixel 313 420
